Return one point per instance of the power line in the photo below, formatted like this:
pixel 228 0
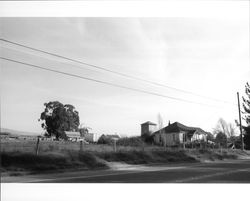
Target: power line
pixel 113 72
pixel 104 82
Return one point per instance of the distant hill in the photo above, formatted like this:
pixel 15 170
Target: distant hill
pixel 15 132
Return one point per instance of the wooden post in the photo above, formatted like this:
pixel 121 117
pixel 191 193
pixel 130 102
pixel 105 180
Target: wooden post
pixel 242 142
pixel 37 145
pixel 184 146
pixel 81 146
pixel 114 145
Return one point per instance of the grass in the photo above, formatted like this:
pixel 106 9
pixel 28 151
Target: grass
pixel 214 154
pixel 18 161
pixel 144 157
pixel 17 155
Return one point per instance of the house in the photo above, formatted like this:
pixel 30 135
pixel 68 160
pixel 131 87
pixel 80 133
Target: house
pixel 73 136
pixel 176 134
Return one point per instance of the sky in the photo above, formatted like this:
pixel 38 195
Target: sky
pixel 206 56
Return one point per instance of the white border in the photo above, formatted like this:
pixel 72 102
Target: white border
pixel 124 192
pixel 201 9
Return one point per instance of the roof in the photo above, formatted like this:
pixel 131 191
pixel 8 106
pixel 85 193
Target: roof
pixel 149 123
pixel 72 134
pixel 178 127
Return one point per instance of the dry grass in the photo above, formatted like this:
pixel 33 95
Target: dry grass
pixel 29 146
pixel 54 155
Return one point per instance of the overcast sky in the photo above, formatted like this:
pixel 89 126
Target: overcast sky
pixel 206 56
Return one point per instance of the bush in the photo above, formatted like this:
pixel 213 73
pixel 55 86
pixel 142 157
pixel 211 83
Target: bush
pixel 131 141
pixel 105 140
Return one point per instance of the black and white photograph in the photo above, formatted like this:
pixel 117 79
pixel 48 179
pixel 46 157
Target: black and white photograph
pixel 126 99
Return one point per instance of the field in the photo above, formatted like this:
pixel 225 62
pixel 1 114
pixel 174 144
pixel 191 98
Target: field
pixel 20 155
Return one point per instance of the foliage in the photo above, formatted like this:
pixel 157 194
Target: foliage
pixel 210 137
pixel 147 138
pixel 246 106
pixel 57 118
pixel 221 138
pixel 130 141
pixel 83 131
pixel 227 128
pixel 247 137
pixel 246 103
pixel 105 140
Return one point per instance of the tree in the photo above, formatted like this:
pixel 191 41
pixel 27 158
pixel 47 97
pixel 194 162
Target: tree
pixel 221 127
pixel 58 118
pixel 228 129
pixel 221 139
pixel 246 106
pixel 160 126
pixel 105 140
pixel 84 130
pixel 246 103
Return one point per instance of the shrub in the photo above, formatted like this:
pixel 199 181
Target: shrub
pixel 131 141
pixel 105 140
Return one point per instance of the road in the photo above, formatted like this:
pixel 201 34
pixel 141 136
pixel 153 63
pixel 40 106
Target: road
pixel 237 171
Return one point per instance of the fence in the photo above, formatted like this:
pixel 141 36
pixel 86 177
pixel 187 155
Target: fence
pixel 41 146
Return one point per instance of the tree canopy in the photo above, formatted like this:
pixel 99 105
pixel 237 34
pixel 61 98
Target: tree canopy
pixel 228 129
pixel 246 106
pixel 221 138
pixel 246 103
pixel 58 118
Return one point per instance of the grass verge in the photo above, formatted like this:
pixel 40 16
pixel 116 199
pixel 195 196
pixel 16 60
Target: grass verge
pixel 17 161
pixel 60 161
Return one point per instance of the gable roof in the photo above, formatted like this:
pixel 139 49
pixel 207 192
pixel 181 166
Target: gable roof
pixel 110 136
pixel 72 133
pixel 178 127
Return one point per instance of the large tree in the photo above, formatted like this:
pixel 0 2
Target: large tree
pixel 58 118
pixel 246 106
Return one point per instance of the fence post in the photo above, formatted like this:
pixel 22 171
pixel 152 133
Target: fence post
pixel 81 146
pixel 142 146
pixel 114 145
pixel 37 145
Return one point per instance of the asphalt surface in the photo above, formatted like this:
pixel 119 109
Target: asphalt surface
pixel 237 171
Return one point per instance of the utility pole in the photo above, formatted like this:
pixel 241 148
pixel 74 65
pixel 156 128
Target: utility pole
pixel 242 142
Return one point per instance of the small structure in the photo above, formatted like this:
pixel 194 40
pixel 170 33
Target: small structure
pixel 108 139
pixel 177 133
pixel 73 136
pixel 113 137
pixel 148 128
pixel 4 135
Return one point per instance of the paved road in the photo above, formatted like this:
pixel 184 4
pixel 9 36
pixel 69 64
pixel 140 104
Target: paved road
pixel 237 171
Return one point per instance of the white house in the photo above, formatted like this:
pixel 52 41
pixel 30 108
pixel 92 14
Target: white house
pixel 176 134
